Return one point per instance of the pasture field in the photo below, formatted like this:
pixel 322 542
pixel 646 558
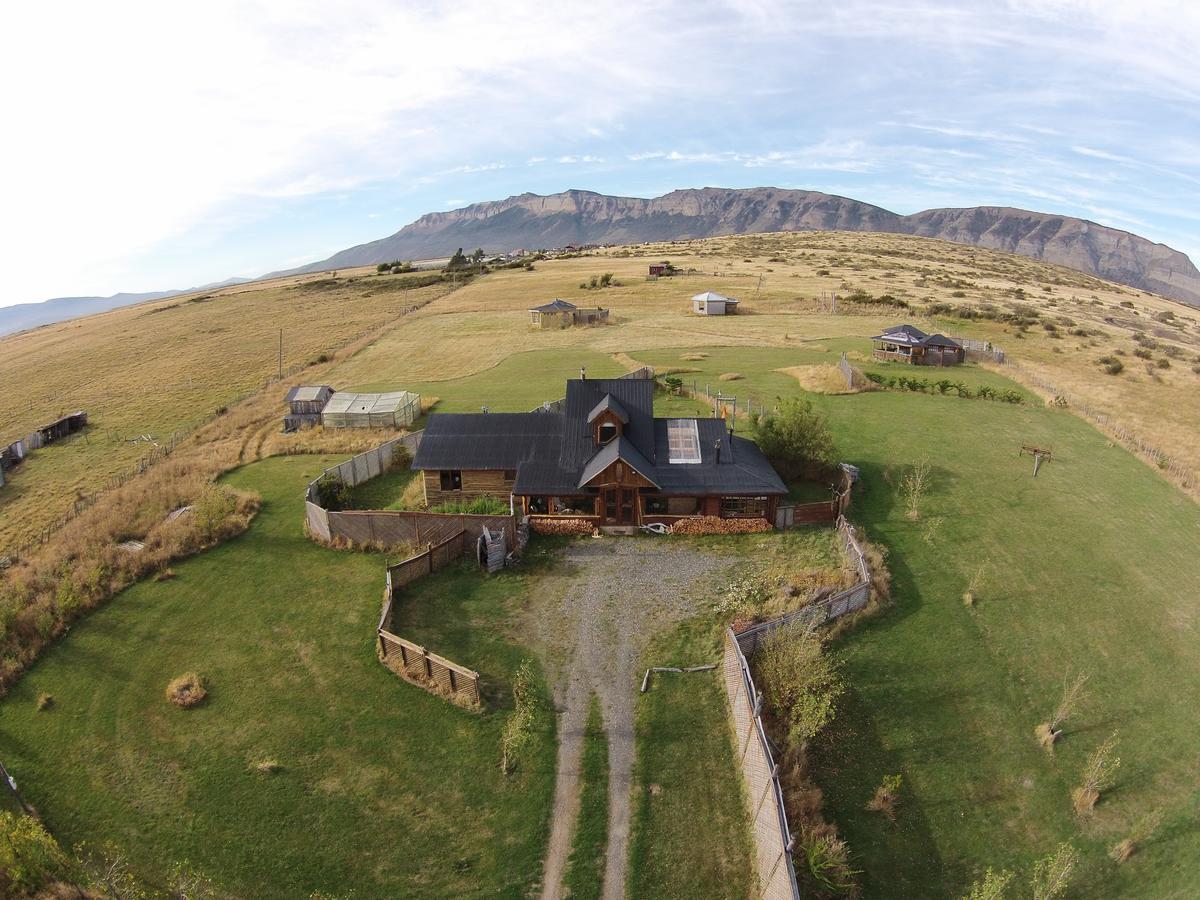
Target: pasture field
pixel 1087 568
pixel 382 789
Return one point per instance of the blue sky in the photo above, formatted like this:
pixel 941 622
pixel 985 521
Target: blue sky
pixel 165 147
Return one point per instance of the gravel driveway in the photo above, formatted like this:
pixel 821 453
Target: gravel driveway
pixel 594 619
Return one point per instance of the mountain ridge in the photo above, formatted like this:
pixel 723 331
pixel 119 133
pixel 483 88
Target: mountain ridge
pixel 531 220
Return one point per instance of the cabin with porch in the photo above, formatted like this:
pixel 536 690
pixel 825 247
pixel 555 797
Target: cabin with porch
pixel 908 344
pixel 603 458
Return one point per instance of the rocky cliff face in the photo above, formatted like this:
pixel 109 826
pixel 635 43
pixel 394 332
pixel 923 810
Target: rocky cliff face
pixel 583 217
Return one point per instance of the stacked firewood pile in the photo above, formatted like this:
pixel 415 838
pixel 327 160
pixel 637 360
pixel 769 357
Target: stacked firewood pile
pixel 563 527
pixel 716 525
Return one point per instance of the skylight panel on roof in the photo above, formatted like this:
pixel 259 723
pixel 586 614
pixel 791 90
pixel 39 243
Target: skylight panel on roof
pixel 683 441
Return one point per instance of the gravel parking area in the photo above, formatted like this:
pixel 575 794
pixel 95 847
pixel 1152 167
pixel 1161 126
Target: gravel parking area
pixel 594 621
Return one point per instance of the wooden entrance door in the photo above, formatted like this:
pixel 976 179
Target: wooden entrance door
pixel 620 505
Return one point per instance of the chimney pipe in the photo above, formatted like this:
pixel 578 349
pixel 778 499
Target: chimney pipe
pixel 717 446
pixel 583 373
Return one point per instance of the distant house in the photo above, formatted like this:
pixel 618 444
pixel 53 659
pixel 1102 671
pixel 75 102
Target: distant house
pixel 657 269
pixel 909 344
pixel 604 458
pixel 305 404
pixel 396 409
pixel 561 314
pixel 710 303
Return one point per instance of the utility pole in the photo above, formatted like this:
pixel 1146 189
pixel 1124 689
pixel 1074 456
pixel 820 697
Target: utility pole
pixel 281 354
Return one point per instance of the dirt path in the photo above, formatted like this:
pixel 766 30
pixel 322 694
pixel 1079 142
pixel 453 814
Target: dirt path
pixel 595 621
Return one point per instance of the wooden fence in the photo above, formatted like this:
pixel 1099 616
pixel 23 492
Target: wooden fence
pixel 410 660
pixel 791 514
pixel 773 841
pixel 847 601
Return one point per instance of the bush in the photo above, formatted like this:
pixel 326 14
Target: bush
pixel 212 510
pixel 800 682
pixel 30 858
pixel 796 439
pixel 332 493
pixel 518 730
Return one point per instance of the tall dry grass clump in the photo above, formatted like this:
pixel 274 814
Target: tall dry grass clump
pixel 1098 776
pixel 974 583
pixel 1072 695
pixel 1143 830
pixel 187 690
pixel 886 797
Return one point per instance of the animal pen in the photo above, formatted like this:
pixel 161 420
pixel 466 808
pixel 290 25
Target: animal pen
pixel 397 409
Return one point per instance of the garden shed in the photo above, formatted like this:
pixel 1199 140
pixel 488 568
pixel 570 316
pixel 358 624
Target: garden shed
pixel 563 314
pixel 305 403
pixel 710 303
pixel 396 409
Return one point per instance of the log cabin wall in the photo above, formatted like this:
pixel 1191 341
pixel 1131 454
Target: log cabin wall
pixel 475 483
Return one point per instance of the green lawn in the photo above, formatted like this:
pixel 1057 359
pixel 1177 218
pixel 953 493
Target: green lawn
pixel 691 830
pixel 384 789
pixel 584 879
pixel 1091 567
pixel 384 492
pixel 518 384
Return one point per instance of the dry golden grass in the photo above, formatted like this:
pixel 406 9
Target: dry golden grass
pixel 821 379
pixel 731 376
pixel 160 369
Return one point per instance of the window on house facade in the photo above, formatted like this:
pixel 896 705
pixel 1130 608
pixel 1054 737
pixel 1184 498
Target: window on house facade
pixel 743 507
pixel 451 480
pixel 606 432
pixel 539 506
pixel 683 506
pixel 654 504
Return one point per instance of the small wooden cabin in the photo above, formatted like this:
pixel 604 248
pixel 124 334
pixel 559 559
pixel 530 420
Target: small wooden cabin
pixel 563 314
pixel 710 303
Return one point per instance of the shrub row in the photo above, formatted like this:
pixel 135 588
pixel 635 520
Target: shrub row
pixel 944 386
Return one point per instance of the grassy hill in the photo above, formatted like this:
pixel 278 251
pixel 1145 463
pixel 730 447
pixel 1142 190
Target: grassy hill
pixel 1088 567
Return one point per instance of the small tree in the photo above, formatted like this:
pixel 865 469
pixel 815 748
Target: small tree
pixel 800 682
pixel 993 886
pixel 458 260
pixel 518 730
pixel 796 438
pixel 30 858
pixel 1098 775
pixel 1052 874
pixel 212 510
pixel 971 594
pixel 913 487
pixel 1048 732
pixel 1143 830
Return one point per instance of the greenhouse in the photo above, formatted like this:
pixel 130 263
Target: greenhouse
pixel 396 409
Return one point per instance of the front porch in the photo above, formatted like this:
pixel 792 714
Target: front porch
pixel 618 505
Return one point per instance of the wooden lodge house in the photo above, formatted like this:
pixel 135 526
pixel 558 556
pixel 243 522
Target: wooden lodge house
pixel 604 458
pixel 563 314
pixel 908 344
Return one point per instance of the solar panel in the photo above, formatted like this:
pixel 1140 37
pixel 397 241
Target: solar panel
pixel 683 441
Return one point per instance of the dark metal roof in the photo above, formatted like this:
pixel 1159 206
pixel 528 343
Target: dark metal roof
pixel 940 340
pixel 622 448
pixel 613 406
pixel 555 305
pixel 902 334
pixel 487 440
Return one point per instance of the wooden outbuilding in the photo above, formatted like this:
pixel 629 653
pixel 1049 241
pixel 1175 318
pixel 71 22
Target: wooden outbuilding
pixel 563 314
pixel 305 403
